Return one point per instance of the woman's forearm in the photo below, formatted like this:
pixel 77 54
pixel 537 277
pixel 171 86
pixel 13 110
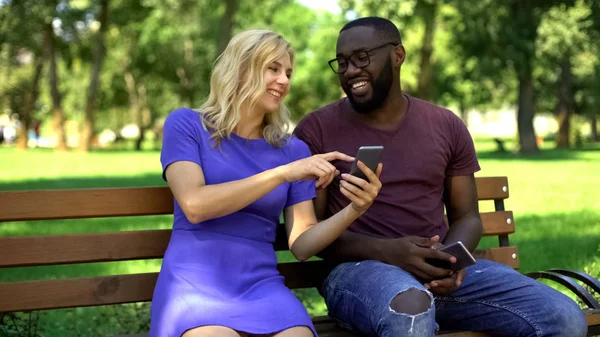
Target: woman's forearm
pixel 322 234
pixel 213 201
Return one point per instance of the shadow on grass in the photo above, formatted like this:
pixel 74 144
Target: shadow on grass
pixel 543 155
pixel 124 150
pixel 129 148
pixel 85 182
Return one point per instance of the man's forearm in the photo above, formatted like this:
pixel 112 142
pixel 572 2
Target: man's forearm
pixel 351 247
pixel 467 230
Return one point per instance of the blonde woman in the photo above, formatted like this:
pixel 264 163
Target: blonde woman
pixel 233 169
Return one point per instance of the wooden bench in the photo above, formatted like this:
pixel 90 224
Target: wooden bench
pixel 33 295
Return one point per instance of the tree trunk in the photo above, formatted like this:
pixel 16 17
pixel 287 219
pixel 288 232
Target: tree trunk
pixel 145 116
pixel 227 24
pixel 525 26
pixel 87 132
pixel 565 104
pixel 29 99
pixel 429 15
pixel 185 73
pixel 133 99
pixel 593 122
pixel 8 70
pixel 23 136
pixel 525 114
pixel 140 114
pixel 58 118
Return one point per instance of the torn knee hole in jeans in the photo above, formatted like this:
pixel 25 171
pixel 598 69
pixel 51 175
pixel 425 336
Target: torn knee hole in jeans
pixel 412 310
pixel 406 300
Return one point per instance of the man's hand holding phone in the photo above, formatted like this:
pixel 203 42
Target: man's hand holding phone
pixel 410 254
pixel 463 259
pixel 447 285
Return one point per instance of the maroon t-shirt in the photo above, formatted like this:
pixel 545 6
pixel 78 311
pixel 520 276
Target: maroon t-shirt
pixel 429 144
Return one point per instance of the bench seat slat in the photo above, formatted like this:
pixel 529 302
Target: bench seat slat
pixel 593 317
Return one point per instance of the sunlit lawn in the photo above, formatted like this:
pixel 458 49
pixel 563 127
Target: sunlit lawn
pixel 555 197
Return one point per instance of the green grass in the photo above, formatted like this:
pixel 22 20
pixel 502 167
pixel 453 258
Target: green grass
pixel 554 195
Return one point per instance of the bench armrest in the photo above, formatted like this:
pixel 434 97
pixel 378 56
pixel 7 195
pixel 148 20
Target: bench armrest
pixel 570 284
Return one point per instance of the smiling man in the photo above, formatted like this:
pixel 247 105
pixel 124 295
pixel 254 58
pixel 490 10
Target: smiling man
pixel 381 284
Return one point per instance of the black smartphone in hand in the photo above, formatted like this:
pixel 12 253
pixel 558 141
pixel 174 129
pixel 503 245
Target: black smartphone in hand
pixel 464 258
pixel 370 156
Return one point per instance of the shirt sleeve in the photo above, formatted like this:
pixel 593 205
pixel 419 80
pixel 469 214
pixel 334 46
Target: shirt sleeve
pixel 300 190
pixel 181 139
pixel 464 158
pixel 309 131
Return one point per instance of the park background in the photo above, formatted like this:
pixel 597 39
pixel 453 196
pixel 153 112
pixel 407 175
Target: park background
pixel 85 87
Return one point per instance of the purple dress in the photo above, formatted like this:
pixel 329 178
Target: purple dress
pixel 223 271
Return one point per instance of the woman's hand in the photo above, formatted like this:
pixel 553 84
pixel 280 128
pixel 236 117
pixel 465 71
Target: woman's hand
pixel 314 167
pixel 359 191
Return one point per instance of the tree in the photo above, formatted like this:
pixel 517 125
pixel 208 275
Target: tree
pixel 227 24
pixel 466 81
pixel 565 54
pixel 593 101
pixel 506 31
pixel 57 110
pixel 24 20
pixel 87 131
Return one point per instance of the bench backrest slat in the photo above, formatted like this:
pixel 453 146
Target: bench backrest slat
pixel 497 223
pixel 111 202
pixel 20 251
pixel 84 203
pixel 117 289
pixel 505 255
pixel 492 188
pixel 79 292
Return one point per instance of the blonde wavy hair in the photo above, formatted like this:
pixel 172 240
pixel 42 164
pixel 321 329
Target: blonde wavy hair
pixel 238 79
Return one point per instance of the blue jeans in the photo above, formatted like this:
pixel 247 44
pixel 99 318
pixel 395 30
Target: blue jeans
pixel 493 298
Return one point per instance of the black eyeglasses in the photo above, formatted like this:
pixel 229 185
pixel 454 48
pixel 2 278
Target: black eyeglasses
pixel 360 59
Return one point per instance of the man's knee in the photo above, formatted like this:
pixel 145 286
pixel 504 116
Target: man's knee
pixel 412 301
pixel 569 320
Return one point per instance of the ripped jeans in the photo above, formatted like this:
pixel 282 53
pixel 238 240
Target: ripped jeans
pixel 493 298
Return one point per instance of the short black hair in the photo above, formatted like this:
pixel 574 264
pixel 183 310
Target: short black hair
pixel 386 29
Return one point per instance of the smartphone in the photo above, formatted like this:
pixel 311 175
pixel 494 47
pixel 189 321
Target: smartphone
pixel 460 252
pixel 370 156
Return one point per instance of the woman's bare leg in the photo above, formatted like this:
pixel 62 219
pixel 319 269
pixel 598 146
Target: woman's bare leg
pixel 213 331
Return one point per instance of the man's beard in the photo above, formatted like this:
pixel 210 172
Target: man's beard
pixel 380 89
